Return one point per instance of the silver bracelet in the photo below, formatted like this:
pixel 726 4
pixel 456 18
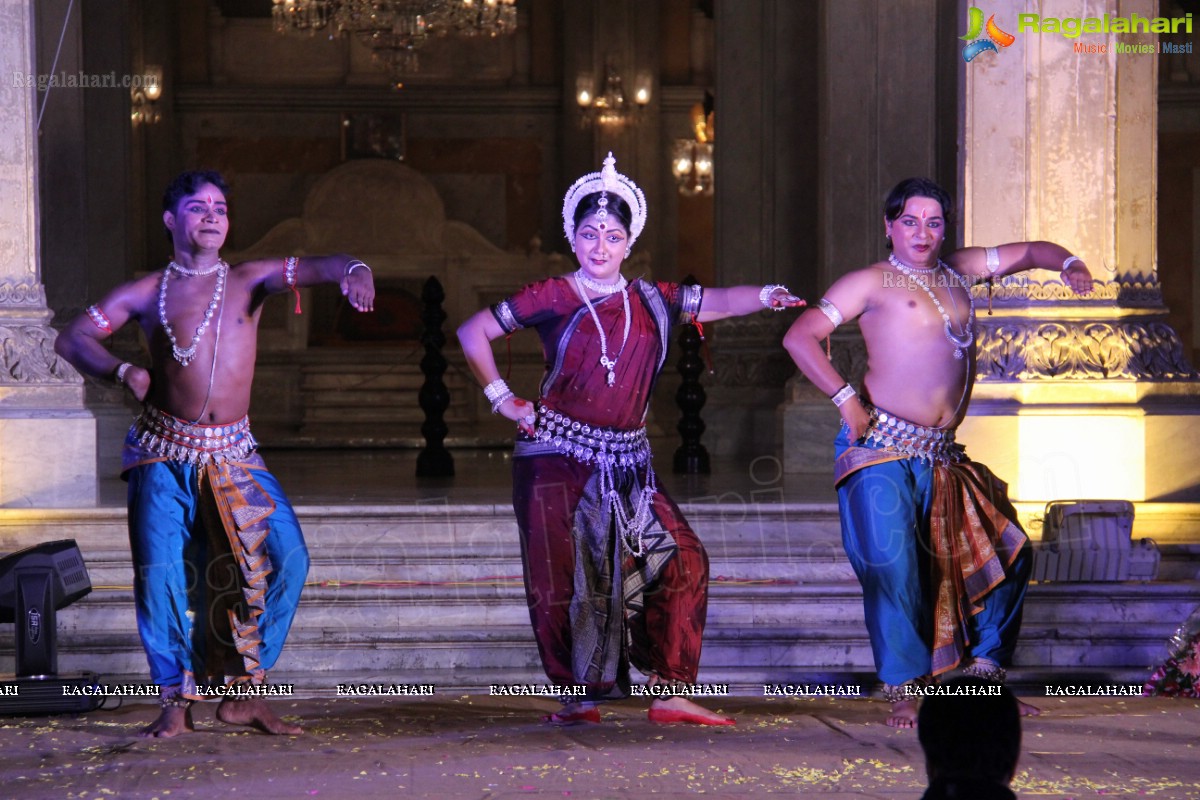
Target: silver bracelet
pixel 121 370
pixel 843 394
pixel 497 392
pixel 501 400
pixel 495 389
pixel 764 295
pixel 353 265
pixel 1068 261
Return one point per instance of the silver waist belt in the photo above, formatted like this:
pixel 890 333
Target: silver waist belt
pixel 919 441
pixel 557 433
pixel 179 440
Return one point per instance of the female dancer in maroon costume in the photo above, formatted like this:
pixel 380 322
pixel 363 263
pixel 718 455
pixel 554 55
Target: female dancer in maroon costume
pixel 613 572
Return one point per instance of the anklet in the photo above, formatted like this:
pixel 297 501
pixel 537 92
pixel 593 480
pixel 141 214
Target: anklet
pixel 173 698
pixel 987 670
pixel 895 693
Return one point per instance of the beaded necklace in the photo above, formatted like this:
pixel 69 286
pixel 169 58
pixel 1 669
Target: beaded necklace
pixel 184 355
pixel 600 288
pixel 609 364
pixel 961 341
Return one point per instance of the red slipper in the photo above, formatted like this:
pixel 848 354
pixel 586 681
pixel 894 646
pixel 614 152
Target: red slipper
pixel 587 715
pixel 665 716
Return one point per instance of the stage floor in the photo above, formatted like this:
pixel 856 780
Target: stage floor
pixel 485 747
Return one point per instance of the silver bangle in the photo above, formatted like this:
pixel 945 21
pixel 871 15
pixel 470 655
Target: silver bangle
pixel 1068 261
pixel 843 394
pixel 501 400
pixel 121 370
pixel 355 264
pixel 764 295
pixel 495 389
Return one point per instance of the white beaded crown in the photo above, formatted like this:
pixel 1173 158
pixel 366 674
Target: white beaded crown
pixel 606 180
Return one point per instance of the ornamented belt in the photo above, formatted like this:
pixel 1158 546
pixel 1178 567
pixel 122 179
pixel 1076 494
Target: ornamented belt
pixel 180 440
pixel 928 444
pixel 613 447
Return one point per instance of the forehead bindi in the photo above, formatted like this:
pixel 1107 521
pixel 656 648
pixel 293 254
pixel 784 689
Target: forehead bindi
pixel 209 196
pixel 605 225
pixel 923 208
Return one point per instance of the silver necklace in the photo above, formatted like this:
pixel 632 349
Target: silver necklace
pixel 600 288
pixel 609 364
pixel 184 355
pixel 961 341
pixel 195 273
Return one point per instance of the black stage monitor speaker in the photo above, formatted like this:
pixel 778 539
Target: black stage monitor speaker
pixel 34 584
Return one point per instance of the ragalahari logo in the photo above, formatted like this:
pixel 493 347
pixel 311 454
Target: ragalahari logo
pixel 975 27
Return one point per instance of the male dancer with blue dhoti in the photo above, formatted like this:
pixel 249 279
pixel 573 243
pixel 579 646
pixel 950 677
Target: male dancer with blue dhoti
pixel 931 534
pixel 219 559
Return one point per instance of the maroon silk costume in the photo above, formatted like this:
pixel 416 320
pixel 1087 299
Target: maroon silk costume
pixel 594 605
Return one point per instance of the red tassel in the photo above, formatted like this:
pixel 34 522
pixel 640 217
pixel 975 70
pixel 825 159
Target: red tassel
pixel 296 292
pixel 508 368
pixel 704 344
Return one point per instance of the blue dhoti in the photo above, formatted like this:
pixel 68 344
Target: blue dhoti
pixel 219 558
pixel 935 544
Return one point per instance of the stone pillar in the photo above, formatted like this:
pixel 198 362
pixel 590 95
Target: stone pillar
pixel 1075 397
pixel 765 190
pixel 47 437
pixel 886 113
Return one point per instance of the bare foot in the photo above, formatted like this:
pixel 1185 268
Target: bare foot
pixel 574 714
pixel 173 721
pixel 255 713
pixel 1028 710
pixel 904 714
pixel 680 709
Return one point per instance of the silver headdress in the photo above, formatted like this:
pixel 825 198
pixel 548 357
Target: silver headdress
pixel 606 180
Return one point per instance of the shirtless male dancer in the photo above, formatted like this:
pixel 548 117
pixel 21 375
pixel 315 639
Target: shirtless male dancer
pixel 939 578
pixel 219 558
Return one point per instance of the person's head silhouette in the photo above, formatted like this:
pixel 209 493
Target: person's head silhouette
pixel 971 736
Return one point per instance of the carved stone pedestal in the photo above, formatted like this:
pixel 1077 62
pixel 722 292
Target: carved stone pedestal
pixel 47 438
pixel 1083 400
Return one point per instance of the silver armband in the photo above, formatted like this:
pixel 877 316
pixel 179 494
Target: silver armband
pixel 830 310
pixel 993 259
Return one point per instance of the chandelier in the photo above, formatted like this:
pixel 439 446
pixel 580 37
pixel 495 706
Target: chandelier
pixel 477 17
pixel 396 29
pixel 610 108
pixel 306 16
pixel 692 159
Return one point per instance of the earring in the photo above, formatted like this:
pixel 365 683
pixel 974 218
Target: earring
pixel 887 240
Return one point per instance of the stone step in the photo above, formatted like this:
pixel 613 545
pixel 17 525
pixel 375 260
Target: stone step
pixel 508 650
pixel 432 587
pixel 1101 606
pixel 771 530
pixel 341 628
